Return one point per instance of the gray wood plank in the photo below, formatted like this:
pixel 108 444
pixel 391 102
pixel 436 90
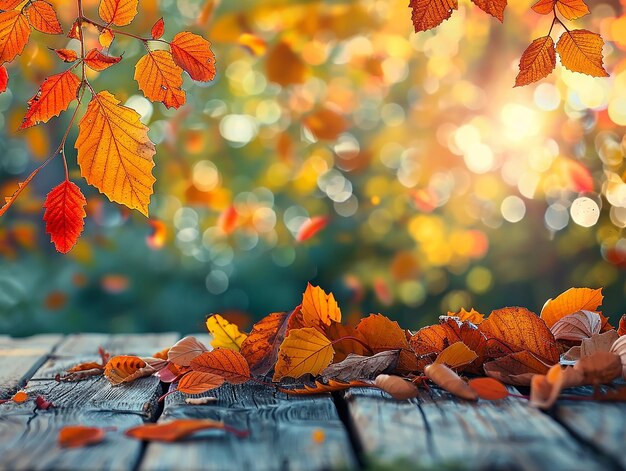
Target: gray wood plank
pixel 20 358
pixel 116 344
pixel 282 431
pixel 437 430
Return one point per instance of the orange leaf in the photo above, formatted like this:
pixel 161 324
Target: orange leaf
pixel 544 7
pixel 66 55
pixel 456 355
pixel 382 334
pixel 185 350
pixel 43 17
pixel 428 14
pixel 160 78
pixel 494 8
pixel 115 153
pixel 318 308
pixel 621 330
pixel 158 29
pixel 569 302
pixel 516 329
pixel 545 389
pixel 472 316
pixel 488 389
pixel 64 215
pixel 97 61
pixel 572 9
pixel 106 37
pixel 54 96
pixel 14 34
pixel 125 369
pixel 20 397
pixel 311 227
pixel 537 61
pixel 9 4
pixel 304 351
pixel 322 388
pixel 581 51
pixel 447 379
pixel 396 387
pixel 516 368
pixel 196 382
pixel 325 123
pixel 260 348
pixel 285 67
pixel 76 436
pixel 193 53
pixel 177 429
pixel 345 335
pixel 254 44
pixel 231 365
pixel 118 12
pixel 75 31
pixel 577 326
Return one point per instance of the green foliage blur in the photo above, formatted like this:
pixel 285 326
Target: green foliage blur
pixel 444 186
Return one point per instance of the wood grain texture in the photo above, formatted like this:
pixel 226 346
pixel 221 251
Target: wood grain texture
pixel 281 430
pixel 116 344
pixel 20 358
pixel 437 430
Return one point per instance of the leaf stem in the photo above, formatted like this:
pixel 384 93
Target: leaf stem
pixel 122 33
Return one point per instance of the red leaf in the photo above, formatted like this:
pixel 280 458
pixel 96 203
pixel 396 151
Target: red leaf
pixel 42 403
pixel 158 29
pixel 311 227
pixel 66 55
pixel 193 53
pixel 64 215
pixel 76 436
pixel 4 79
pixel 43 17
pixel 97 61
pixel 14 34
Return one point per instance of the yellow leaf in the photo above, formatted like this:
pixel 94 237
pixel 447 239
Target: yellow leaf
pixel 304 351
pixel 569 302
pixel 456 355
pixel 319 308
pixel 115 153
pixel 581 51
pixel 537 61
pixel 225 334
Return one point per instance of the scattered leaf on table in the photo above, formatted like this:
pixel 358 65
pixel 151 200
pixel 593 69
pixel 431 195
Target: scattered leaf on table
pixel 577 326
pixel 598 343
pixel 545 389
pixel 64 215
pixel 311 227
pixel 225 334
pixel 19 397
pixel 125 369
pixel 581 51
pixel 260 348
pixel 456 355
pixel 76 436
pixel 54 96
pixel 178 429
pixel 489 389
pixel 196 382
pixel 318 308
pixel 231 365
pixel 185 350
pixel 569 302
pixel 516 369
pixel 322 388
pixel 436 338
pixel 361 367
pixel 348 340
pixel 304 351
pixel 447 379
pixel 396 387
pixel 600 368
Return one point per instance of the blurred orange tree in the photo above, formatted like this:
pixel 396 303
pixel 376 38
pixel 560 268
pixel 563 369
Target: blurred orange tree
pixel 439 185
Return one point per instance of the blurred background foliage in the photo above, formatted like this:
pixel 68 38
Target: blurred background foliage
pixel 444 186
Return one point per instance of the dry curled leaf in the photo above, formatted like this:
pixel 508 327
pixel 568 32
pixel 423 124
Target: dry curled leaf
pixel 125 369
pixel 260 348
pixel 396 387
pixel 569 302
pixel 472 316
pixel 98 61
pixel 599 368
pixel 185 350
pixel 516 369
pixel 619 348
pixel 621 330
pixel 178 429
pixel 304 351
pixel 225 334
pixel 545 389
pixel 382 334
pixel 447 379
pixel 361 367
pixel 577 326
pixel 196 382
pixel 322 388
pixel 76 436
pixel 456 355
pixel 230 365
pixel 489 389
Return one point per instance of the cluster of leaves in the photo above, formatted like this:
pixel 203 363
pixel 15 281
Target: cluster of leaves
pixel 512 346
pixel 114 152
pixel 580 50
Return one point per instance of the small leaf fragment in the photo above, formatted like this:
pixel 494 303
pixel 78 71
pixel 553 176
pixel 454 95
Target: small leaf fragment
pixel 158 29
pixel 489 389
pixel 76 436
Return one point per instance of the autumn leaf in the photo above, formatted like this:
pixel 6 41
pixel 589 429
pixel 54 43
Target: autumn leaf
pixel 126 368
pixel 231 365
pixel 311 227
pixel 537 61
pixel 581 51
pixel 196 382
pixel 447 379
pixel 285 67
pixel 20 397
pixel 621 330
pixel 158 29
pixel 304 351
pixel 254 44
pixel 570 9
pixel 361 367
pixel 106 37
pixel 42 403
pixel 596 343
pixel 494 8
pixel 43 18
pixel 193 54
pixel 4 79
pixel 619 348
pixel 318 308
pixel 227 221
pixel 428 14
pixel 569 302
pixel 545 389
pixel 118 12
pixel 9 4
pixel 577 326
pixel 14 34
pixel 115 153
pixel 97 61
pixel 66 55
pixel 472 316
pixel 396 386
pixel 322 388
pixel 54 96
pixel 456 355
pixel 382 334
pixel 599 368
pixel 225 334
pixel 516 329
pixel 160 79
pixel 64 215
pixel 185 350
pixel 489 389
pixel 178 429
pixel 76 436
pixel 346 340
pixel 517 368
pixel 260 348
pixel 325 123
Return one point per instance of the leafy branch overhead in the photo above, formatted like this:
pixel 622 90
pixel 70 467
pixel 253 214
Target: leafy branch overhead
pixel 114 152
pixel 579 50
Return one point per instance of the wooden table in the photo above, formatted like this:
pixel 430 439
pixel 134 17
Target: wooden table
pixel 360 429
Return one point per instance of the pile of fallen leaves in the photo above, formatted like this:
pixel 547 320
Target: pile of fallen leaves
pixel 570 344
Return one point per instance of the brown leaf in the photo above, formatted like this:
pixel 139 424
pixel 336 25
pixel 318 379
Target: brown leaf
pixel 284 67
pixel 76 436
pixel 230 365
pixel 447 379
pixel 196 382
pixel 621 330
pixel 177 430
pixel 396 387
pixel 260 348
pixel 494 8
pixel 428 14
pixel 537 61
pixel 456 355
pixel 516 368
pixel 598 343
pixel 545 389
pixel 577 326
pixel 382 334
pixel 600 368
pixel 322 388
pixel 619 348
pixel 325 123
pixel 362 367
pixel 345 345
pixel 185 350
pixel 125 369
pixel 489 389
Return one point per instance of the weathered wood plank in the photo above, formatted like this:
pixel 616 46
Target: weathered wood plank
pixel 20 358
pixel 437 430
pixel 116 344
pixel 285 433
